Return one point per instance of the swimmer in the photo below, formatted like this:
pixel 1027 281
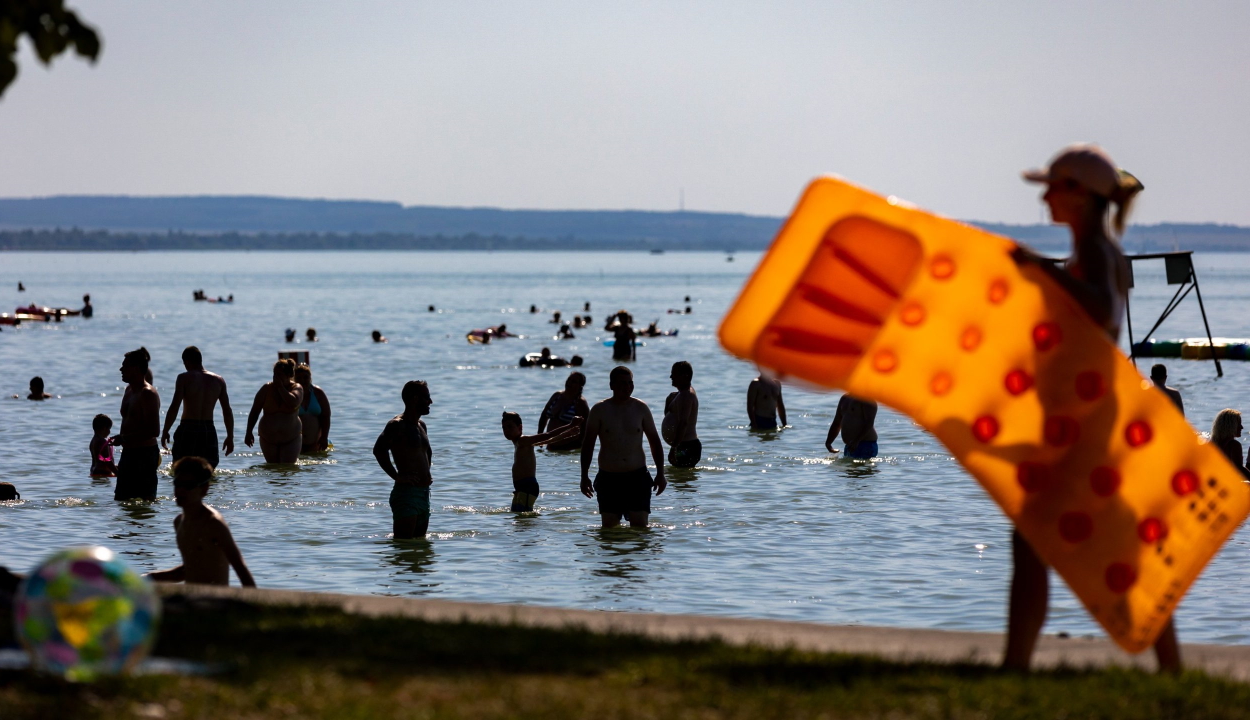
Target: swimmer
pixel 101 449
pixel 36 389
pixel 8 491
pixel 561 408
pixel 586 306
pixel 314 413
pixel 681 415
pixel 1082 183
pixel 854 419
pixel 430 309
pixel 1159 376
pixel 1224 433
pixel 20 286
pixel 198 392
pixel 533 309
pixel 525 489
pixel 378 337
pixel 290 335
pixel 652 330
pixel 208 549
pixel 764 403
pixel 555 318
pixel 576 361
pixel 230 298
pixel 310 334
pixel 141 424
pixel 623 483
pixel 281 432
pixel 405 438
pixel 566 333
pixel 500 331
pixel 624 347
pixel 87 311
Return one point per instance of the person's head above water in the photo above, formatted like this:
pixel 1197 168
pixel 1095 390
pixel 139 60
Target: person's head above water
pixel 284 371
pixel 416 397
pixel 1159 373
pixel 303 374
pixel 682 374
pixel 192 359
pixel 576 361
pixel 191 477
pixel 621 380
pixel 36 385
pixel 311 334
pixel 511 425
pixel 546 353
pixel 101 424
pixel 1227 425
pixel 1082 182
pixel 575 382
pixel 135 365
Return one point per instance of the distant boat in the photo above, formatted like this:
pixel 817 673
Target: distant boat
pixel 657 251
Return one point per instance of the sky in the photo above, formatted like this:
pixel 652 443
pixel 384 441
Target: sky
pixel 630 105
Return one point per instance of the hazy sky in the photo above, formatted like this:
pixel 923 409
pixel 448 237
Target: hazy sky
pixel 534 104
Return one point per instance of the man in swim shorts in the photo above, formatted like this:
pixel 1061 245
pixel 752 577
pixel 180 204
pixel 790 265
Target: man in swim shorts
pixel 854 419
pixel 405 438
pixel 764 403
pixel 141 423
pixel 623 483
pixel 681 414
pixel 198 391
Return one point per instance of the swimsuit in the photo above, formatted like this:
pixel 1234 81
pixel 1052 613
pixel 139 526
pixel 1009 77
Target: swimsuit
pixel 621 493
pixel 314 407
pixel 685 454
pixel 196 438
pixel 410 501
pixel 761 422
pixel 103 463
pixel 866 450
pixel 525 494
pixel 136 473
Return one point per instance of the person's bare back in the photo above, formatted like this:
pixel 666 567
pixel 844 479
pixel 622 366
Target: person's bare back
pixel 621 425
pixel 200 390
pixel 203 560
pixel 764 403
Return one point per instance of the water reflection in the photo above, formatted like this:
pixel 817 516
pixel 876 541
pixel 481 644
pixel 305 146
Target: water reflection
pixel 623 552
pixel 411 558
pixel 682 480
pixel 138 511
pixel 856 469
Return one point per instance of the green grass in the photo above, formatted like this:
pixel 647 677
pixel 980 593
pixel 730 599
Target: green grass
pixel 288 662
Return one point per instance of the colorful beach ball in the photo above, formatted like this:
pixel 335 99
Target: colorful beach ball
pixel 83 613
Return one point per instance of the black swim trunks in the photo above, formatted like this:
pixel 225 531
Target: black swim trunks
pixel 621 493
pixel 196 438
pixel 525 495
pixel 685 454
pixel 136 473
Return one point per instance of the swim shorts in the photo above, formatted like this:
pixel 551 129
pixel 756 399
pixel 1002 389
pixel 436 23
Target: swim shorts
pixel 196 438
pixel 866 450
pixel 622 351
pixel 761 422
pixel 621 493
pixel 525 495
pixel 136 473
pixel 685 454
pixel 410 501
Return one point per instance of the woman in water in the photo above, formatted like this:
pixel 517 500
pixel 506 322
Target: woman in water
pixel 1224 433
pixel 562 408
pixel 281 432
pixel 1082 185
pixel 314 412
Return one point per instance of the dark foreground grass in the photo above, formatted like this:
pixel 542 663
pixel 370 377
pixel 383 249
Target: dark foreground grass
pixel 289 662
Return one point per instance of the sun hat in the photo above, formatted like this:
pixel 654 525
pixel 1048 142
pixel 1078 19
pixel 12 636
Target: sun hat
pixel 1091 167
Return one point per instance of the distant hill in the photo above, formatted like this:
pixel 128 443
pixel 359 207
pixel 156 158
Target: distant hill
pixel 84 222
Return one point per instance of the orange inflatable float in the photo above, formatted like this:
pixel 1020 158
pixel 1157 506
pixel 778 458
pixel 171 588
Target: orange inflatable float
pixel 1096 467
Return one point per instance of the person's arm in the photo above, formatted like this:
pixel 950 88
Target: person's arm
pixel 752 393
pixel 546 414
pixel 174 574
pixel 291 398
pixel 172 413
pixel 227 417
pixel 562 433
pixel 781 406
pixel 381 452
pixel 150 404
pixel 588 451
pixel 1096 300
pixel 683 416
pixel 323 438
pixel 657 449
pixel 834 428
pixel 225 541
pixel 254 414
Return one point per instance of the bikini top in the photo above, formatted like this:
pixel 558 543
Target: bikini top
pixel 105 453
pixel 314 407
pixel 567 414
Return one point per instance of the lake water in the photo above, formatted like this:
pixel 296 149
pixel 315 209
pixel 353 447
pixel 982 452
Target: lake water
pixel 767 526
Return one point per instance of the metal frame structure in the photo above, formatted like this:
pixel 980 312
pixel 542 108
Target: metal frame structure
pixel 1179 266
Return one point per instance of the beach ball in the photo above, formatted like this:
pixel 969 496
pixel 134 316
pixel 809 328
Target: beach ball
pixel 83 613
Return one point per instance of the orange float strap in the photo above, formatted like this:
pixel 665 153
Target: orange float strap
pixel 1096 468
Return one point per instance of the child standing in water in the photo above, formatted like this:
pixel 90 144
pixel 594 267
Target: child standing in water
pixel 204 539
pixel 102 448
pixel 524 466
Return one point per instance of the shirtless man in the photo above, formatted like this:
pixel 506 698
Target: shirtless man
pixel 141 423
pixel 204 540
pixel 623 483
pixel 681 414
pixel 198 391
pixel 36 390
pixel 1159 376
pixel 764 403
pixel 854 419
pixel 406 439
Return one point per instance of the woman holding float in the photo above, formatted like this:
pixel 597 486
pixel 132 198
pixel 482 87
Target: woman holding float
pixel 281 432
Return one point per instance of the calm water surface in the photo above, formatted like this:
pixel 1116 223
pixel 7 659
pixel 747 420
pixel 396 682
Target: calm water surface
pixel 768 525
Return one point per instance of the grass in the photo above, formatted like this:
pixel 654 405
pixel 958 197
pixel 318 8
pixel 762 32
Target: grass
pixel 292 662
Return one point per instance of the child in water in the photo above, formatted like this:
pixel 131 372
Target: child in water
pixel 102 448
pixel 524 466
pixel 204 540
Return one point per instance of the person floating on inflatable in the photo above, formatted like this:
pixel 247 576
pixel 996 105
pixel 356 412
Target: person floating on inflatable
pixel 1011 363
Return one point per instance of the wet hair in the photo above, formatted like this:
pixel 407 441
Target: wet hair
pixel 620 372
pixel 576 361
pixel 576 377
pixel 101 423
pixel 411 390
pixel 284 367
pixel 303 368
pixel 139 358
pixel 310 332
pixel 192 356
pixel 1159 371
pixel 685 367
pixel 191 472
pixel 1225 425
pixel 36 384
pixel 511 417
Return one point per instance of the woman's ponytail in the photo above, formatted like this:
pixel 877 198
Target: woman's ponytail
pixel 1123 198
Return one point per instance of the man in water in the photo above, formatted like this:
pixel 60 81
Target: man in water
pixel 854 419
pixel 405 438
pixel 198 391
pixel 36 390
pixel 681 414
pixel 623 483
pixel 1159 375
pixel 141 423
pixel 208 549
pixel 623 346
pixel 87 310
pixel 764 403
